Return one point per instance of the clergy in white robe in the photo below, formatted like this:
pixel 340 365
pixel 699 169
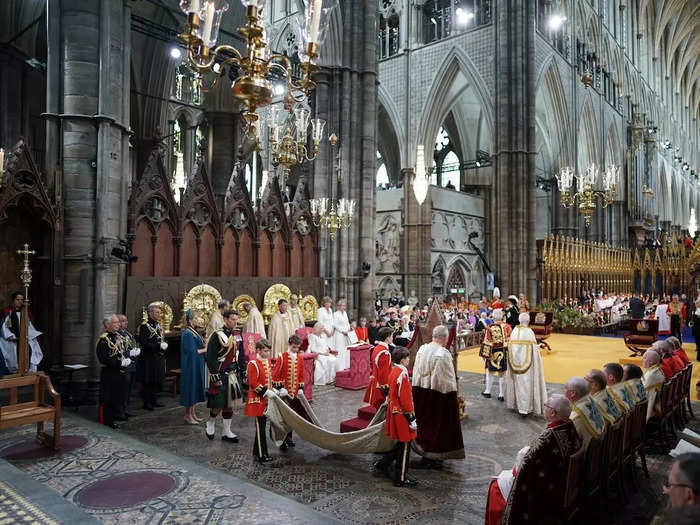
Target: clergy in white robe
pixel 326 363
pixel 281 327
pixel 526 390
pixel 342 327
pixel 664 321
pixel 9 337
pixel 325 317
pixel 255 323
pixel 295 312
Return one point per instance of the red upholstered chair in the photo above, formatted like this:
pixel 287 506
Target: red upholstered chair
pixel 541 324
pixel 304 334
pixel 642 334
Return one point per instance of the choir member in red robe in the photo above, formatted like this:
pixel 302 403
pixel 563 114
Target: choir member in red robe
pixel 400 422
pixel 381 366
pixel 289 380
pixel 260 382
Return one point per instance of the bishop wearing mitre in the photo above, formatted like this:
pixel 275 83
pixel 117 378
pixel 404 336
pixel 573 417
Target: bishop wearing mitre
pixel 280 329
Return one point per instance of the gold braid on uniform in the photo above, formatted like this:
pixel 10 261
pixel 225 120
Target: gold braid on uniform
pixel 114 347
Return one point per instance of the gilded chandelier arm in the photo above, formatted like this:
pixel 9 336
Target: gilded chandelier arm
pixel 207 65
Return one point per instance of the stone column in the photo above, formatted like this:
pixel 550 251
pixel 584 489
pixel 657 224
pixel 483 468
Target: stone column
pixel 415 243
pixel 89 70
pixel 514 182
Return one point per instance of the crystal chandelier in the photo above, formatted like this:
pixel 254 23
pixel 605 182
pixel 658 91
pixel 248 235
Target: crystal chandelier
pixel 287 136
pixel 692 224
pixel 420 179
pixel 585 192
pixel 257 65
pixel 325 213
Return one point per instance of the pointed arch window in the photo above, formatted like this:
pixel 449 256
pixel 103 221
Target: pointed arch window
pixel 446 170
pixel 388 36
pixel 444 18
pixel 456 283
pixel 382 173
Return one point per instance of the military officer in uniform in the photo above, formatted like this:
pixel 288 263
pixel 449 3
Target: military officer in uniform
pixel 114 364
pixel 493 350
pixel 152 363
pixel 225 358
pixel 131 350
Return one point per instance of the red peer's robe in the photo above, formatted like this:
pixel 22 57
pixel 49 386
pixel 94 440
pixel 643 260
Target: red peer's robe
pixel 259 380
pixel 400 408
pixel 543 472
pixel 683 356
pixel 381 367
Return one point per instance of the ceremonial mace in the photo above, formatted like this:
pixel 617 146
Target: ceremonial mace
pixel 26 278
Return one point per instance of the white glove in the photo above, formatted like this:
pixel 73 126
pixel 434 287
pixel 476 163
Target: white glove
pixel 163 345
pixel 283 392
pixel 413 425
pixel 125 362
pixel 135 352
pixel 11 337
pixel 300 391
pixel 270 392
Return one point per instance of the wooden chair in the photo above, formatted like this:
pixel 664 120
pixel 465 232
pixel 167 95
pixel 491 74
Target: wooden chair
pixel 689 386
pixel 612 462
pixel 658 426
pixel 639 435
pixel 573 490
pixel 36 411
pixel 592 475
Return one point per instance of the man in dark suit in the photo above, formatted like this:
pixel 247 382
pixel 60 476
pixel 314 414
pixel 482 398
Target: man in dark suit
pixel 636 307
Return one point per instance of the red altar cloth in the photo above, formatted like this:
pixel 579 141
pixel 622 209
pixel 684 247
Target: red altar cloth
pixel 357 376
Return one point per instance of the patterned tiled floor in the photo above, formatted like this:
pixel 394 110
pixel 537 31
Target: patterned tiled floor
pixel 302 484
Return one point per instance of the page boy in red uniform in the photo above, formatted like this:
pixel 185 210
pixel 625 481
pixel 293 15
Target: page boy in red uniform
pixel 289 380
pixel 381 366
pixel 260 382
pixel 400 420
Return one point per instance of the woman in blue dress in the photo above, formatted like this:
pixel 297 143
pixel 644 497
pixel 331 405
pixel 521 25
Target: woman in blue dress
pixel 192 368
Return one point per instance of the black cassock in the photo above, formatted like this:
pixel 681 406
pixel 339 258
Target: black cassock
pixel 151 362
pixel 109 353
pixel 512 314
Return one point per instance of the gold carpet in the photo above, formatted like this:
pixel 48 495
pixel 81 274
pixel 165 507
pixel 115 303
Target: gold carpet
pixel 574 355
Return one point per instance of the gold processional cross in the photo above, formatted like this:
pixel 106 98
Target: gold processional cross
pixel 25 276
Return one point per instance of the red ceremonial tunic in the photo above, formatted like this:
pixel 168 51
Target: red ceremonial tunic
pixel 381 367
pixel 362 333
pixel 259 379
pixel 495 503
pixel 289 373
pixel 400 405
pixel 683 356
pixel 674 364
pixel 496 304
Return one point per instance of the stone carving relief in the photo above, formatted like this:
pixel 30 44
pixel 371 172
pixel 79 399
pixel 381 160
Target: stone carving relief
pixel 389 7
pixel 451 232
pixel 388 244
pixel 437 277
pixel 388 286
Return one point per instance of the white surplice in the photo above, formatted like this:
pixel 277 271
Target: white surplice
pixel 8 346
pixel 662 316
pixel 526 390
pixel 341 324
pixel 326 363
pixel 325 317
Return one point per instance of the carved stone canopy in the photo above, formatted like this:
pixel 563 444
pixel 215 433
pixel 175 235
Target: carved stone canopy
pixel 198 205
pixel 151 197
pixel 22 183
